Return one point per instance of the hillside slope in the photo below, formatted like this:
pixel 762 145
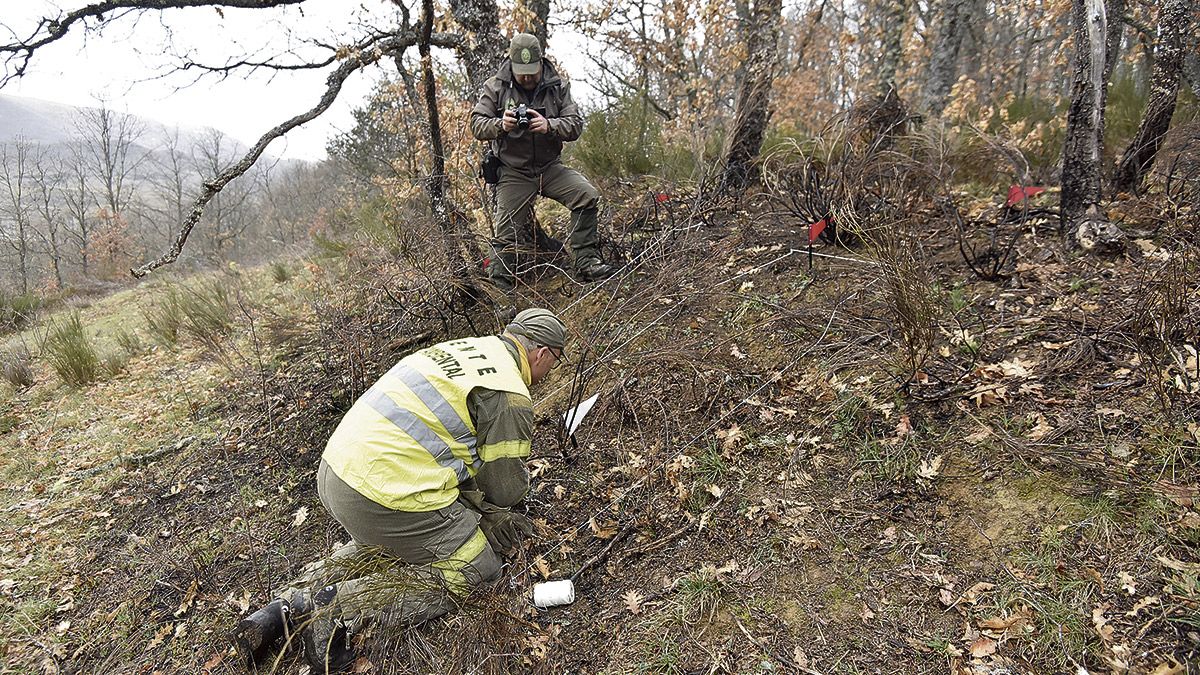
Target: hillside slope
pixel 761 487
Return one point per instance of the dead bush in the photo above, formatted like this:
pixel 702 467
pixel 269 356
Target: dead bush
pixel 16 367
pixel 1166 327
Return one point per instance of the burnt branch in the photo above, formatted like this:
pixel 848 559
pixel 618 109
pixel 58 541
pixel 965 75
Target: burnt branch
pixel 333 86
pixel 17 54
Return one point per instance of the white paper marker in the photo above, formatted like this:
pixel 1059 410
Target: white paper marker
pixel 573 417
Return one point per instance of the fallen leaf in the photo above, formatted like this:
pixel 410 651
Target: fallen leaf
pixel 736 353
pixel 62 627
pixel 212 662
pixel 930 468
pixel 1040 429
pixel 300 516
pixel 1100 622
pixel 903 427
pixel 1142 604
pixel 800 657
pixel 997 623
pixel 542 568
pixel 362 665
pixel 731 437
pixel 559 491
pixel 189 597
pixel 1127 583
pixel 633 601
pixel 983 647
pixel 867 614
pixel 716 491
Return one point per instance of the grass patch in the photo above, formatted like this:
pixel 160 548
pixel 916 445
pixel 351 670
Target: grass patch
pixel 207 311
pixel 129 341
pixel 70 351
pixel 164 317
pixel 280 272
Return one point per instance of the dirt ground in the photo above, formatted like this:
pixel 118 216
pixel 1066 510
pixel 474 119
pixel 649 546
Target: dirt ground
pixel 774 479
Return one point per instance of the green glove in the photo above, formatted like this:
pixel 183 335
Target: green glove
pixel 504 529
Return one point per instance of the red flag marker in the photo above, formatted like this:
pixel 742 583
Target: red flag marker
pixel 1016 193
pixel 816 229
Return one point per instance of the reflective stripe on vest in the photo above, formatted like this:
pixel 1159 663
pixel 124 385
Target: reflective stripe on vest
pixel 440 407
pixel 420 433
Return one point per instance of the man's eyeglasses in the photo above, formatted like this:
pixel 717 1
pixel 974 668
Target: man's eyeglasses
pixel 560 357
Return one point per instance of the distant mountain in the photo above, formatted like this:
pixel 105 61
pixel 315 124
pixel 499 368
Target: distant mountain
pixel 54 124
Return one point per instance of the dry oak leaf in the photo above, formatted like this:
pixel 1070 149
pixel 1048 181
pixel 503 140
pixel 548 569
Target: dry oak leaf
pixel 300 516
pixel 983 647
pixel 1171 667
pixel 1001 624
pixel 930 468
pixel 362 665
pixel 633 601
pixel 731 437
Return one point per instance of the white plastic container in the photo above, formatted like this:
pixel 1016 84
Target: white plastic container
pixel 553 593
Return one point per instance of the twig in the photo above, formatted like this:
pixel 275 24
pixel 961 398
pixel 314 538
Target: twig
pixel 599 558
pixel 137 460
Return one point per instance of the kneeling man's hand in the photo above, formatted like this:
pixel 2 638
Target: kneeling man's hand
pixel 504 529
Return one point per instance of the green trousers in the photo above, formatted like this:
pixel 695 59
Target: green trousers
pixel 515 194
pixel 398 567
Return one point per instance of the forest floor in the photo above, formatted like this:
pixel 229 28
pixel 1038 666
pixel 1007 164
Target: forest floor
pixel 767 489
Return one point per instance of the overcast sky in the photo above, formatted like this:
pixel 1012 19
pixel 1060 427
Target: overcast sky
pixel 118 66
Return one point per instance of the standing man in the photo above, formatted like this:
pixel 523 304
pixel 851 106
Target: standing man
pixel 422 473
pixel 526 111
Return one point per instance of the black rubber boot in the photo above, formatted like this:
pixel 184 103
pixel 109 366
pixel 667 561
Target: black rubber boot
pixel 256 635
pixel 327 646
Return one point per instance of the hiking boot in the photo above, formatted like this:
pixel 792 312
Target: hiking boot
pixel 256 635
pixel 327 646
pixel 593 269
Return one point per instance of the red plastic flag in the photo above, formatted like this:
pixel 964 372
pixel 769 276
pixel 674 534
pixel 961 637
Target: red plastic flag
pixel 1016 193
pixel 661 197
pixel 816 229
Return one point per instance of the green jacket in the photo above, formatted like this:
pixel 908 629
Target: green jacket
pixel 519 148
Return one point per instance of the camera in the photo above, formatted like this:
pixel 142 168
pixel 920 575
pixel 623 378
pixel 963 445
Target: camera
pixel 522 116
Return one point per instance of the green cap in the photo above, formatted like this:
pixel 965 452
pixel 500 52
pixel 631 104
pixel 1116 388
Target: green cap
pixel 526 54
pixel 540 326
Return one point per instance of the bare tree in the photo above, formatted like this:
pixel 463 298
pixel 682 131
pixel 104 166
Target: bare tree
pixel 47 182
pixel 1174 24
pixel 111 141
pixel 1082 216
pixel 225 218
pixel 79 201
pixel 753 110
pixel 172 187
pixel 16 205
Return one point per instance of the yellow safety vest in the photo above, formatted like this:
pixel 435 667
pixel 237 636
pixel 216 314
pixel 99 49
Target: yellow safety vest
pixel 409 441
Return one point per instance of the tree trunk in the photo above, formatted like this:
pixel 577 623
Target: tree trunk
pixel 483 48
pixel 753 110
pixel 892 44
pixel 1081 215
pixel 943 59
pixel 1112 42
pixel 447 218
pixel 1173 24
pixel 14 172
pixel 532 17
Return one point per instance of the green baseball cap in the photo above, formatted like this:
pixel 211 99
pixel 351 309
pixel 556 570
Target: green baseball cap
pixel 525 52
pixel 540 326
